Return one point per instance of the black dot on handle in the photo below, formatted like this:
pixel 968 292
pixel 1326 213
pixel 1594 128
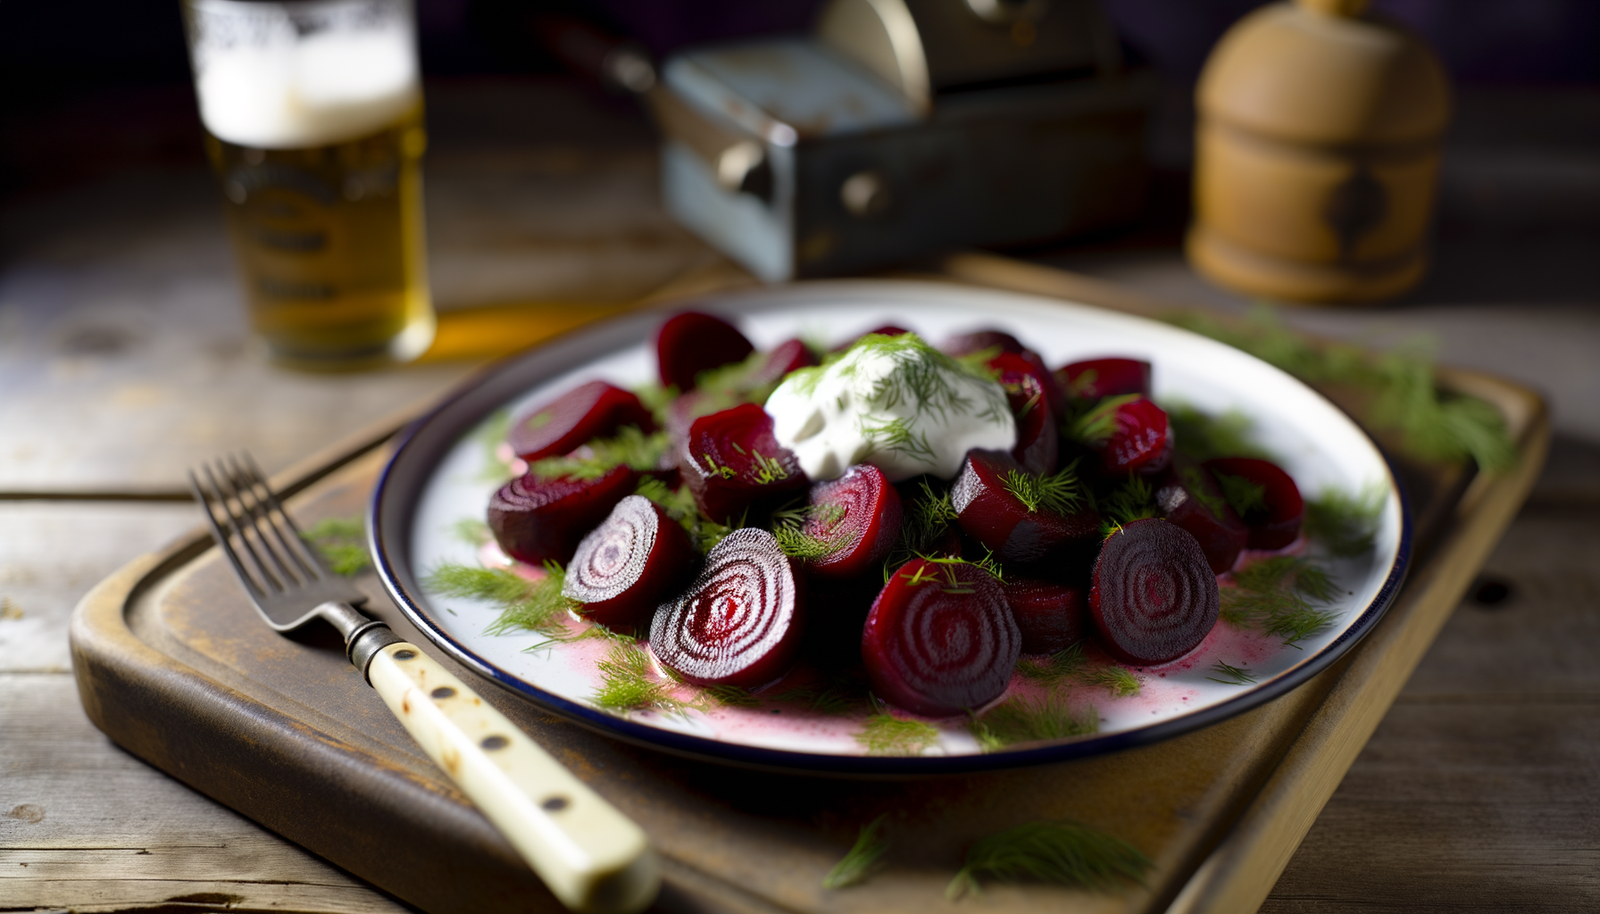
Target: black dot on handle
pixel 404 655
pixel 555 803
pixel 492 743
pixel 442 692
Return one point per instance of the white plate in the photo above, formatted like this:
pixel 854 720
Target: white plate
pixel 436 479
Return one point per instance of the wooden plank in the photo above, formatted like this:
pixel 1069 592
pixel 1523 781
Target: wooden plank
pixel 84 825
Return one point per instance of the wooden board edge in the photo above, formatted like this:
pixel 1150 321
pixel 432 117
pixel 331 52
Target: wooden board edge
pixel 1241 872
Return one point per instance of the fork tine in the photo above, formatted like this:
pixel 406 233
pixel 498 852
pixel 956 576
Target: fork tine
pixel 254 511
pixel 209 498
pixel 228 486
pixel 306 557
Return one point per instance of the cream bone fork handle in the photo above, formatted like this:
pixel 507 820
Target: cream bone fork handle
pixel 592 857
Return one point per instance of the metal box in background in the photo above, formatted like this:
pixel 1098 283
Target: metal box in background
pixel 904 127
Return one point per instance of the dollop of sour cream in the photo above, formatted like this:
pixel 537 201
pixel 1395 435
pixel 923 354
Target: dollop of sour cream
pixel 894 402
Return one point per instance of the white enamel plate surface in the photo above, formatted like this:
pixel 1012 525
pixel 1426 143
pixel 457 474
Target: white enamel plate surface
pixel 437 480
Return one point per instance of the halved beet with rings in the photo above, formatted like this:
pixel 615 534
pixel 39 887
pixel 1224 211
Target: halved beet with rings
pixel 991 513
pixel 1190 498
pixel 592 410
pixel 1050 615
pixel 1154 597
pixel 536 520
pixel 624 568
pixel 1096 379
pixel 740 623
pixel 940 639
pixel 1274 513
pixel 691 342
pixel 861 511
pixel 734 466
pixel 1138 438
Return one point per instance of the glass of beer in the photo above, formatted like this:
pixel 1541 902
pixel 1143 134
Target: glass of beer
pixel 313 121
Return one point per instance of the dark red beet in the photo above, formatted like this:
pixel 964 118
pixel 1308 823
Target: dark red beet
pixel 885 330
pixel 735 468
pixel 1050 615
pixel 940 639
pixel 1002 523
pixel 1154 597
pixel 1096 379
pixel 780 360
pixel 978 340
pixel 592 410
pixel 1276 523
pixel 740 622
pixel 751 386
pixel 691 342
pixel 624 568
pixel 1190 498
pixel 1038 441
pixel 1140 440
pixel 536 520
pixel 868 525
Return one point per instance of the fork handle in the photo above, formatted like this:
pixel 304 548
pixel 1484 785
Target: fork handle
pixel 592 857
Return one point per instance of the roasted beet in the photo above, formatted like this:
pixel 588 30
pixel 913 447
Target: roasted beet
pixel 989 509
pixel 1190 498
pixel 1095 379
pixel 780 360
pixel 940 639
pixel 1050 615
pixel 735 468
pixel 625 567
pixel 885 330
pixel 740 622
pixel 1130 433
pixel 1273 515
pixel 591 410
pixel 535 520
pixel 691 342
pixel 978 340
pixel 1154 597
pixel 751 384
pixel 1038 441
pixel 861 510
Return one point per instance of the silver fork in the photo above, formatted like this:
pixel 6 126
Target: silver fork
pixel 592 857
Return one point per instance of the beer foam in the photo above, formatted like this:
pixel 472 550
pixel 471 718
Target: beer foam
pixel 325 88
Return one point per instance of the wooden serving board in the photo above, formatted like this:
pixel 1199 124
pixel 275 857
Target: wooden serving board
pixel 174 665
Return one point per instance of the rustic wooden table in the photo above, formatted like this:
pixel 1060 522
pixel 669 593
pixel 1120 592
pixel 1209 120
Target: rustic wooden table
pixel 124 359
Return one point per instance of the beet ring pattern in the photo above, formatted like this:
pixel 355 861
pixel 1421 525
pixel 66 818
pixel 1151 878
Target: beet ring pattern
pixel 1154 597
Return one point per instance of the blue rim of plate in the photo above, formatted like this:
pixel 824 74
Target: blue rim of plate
pixel 424 442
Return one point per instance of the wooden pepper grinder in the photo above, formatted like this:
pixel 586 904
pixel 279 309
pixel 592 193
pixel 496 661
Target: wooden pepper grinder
pixel 1316 155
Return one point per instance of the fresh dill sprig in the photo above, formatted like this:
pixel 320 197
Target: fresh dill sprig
pixel 1058 493
pixel 1021 719
pixel 862 859
pixel 1067 853
pixel 657 399
pixel 894 435
pixel 1345 524
pixel 471 531
pixel 533 605
pixel 1243 496
pixel 728 696
pixel 1099 423
pixel 797 531
pixel 1118 681
pixel 630 447
pixel 342 543
pixel 1194 480
pixel 1054 669
pixel 884 734
pixel 925 520
pixel 1133 500
pixel 1274 595
pixel 626 683
pixel 1231 675
pixel 1202 436
pixel 831 700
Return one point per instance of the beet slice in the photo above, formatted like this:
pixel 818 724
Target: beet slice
pixel 592 410
pixel 740 622
pixel 940 639
pixel 1132 436
pixel 978 340
pixel 752 385
pixel 1049 614
pixel 860 509
pixel 1190 498
pixel 536 520
pixel 691 342
pixel 624 567
pixel 1038 442
pixel 1096 379
pixel 1154 597
pixel 1001 521
pixel 1276 522
pixel 735 468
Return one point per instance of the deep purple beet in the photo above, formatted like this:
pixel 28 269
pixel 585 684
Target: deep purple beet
pixel 867 527
pixel 691 342
pixel 636 557
pixel 1154 597
pixel 1050 615
pixel 592 410
pixel 536 520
